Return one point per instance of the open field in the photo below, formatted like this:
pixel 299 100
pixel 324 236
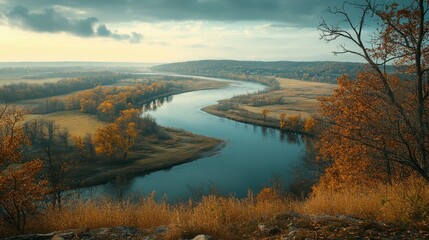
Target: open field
pixel 295 97
pixel 12 80
pixel 76 122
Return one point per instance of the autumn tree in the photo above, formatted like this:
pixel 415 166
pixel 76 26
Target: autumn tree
pixel 118 137
pixel 377 124
pixel 309 125
pixel 20 189
pixel 84 147
pixel 265 113
pixel 52 143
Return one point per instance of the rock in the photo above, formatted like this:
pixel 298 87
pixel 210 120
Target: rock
pixel 161 229
pixel 271 231
pixel 274 230
pixel 64 236
pixel 291 233
pixel 150 237
pixel 202 237
pixel 262 228
pixel 47 236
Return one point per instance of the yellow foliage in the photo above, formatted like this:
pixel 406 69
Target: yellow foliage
pixel 309 125
pixel 106 107
pixel 118 137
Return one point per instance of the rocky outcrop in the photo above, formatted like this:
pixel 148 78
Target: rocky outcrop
pixel 287 226
pixel 121 232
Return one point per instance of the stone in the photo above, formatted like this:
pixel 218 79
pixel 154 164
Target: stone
pixel 274 230
pixel 202 237
pixel 161 229
pixel 262 227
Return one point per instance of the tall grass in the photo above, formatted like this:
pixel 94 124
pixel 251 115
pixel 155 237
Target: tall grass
pixel 215 215
pixel 228 217
pixel 406 202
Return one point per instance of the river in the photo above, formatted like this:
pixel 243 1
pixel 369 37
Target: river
pixel 252 157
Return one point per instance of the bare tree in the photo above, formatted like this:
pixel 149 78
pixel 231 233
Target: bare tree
pixel 401 41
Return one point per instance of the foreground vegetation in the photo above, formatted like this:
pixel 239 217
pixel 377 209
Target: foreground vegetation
pixel 386 211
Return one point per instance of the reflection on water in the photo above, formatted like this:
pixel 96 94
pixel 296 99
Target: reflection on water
pixel 249 160
pixel 153 105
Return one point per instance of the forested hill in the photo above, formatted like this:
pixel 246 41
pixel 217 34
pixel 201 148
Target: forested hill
pixel 310 71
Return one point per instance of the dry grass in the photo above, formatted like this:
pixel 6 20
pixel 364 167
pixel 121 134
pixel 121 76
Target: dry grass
pixel 300 98
pixel 294 98
pixel 223 217
pixel 76 122
pixel 406 202
pixel 103 213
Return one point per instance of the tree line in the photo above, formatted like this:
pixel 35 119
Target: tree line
pixel 39 160
pixel 23 91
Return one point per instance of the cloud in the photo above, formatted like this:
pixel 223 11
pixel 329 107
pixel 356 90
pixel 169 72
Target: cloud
pixel 299 13
pixel 52 21
pixel 103 31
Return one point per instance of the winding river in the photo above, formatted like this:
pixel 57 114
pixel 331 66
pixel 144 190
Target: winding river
pixel 252 157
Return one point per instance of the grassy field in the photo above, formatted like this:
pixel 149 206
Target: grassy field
pixel 295 97
pixel 76 122
pixel 300 97
pixel 11 80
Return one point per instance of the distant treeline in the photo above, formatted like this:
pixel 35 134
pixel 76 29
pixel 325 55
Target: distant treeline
pixel 309 71
pixel 68 74
pixel 23 91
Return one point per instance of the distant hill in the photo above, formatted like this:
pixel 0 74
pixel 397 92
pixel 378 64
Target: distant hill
pixel 310 71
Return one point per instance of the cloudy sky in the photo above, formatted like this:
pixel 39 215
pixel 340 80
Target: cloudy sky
pixel 163 30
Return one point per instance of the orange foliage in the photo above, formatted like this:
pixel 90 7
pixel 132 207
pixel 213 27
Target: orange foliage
pixel 12 140
pixel 309 125
pixel 375 128
pixel 360 135
pixel 21 193
pixel 118 137
pixel 19 190
pixel 268 194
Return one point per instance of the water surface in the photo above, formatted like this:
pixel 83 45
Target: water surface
pixel 250 159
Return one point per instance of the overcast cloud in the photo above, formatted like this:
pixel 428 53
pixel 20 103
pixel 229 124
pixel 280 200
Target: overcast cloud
pixel 302 13
pixel 187 29
pixel 49 20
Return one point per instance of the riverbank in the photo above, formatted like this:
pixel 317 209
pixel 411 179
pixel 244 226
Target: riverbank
pixel 177 86
pixel 152 154
pixel 295 98
pixel 163 150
